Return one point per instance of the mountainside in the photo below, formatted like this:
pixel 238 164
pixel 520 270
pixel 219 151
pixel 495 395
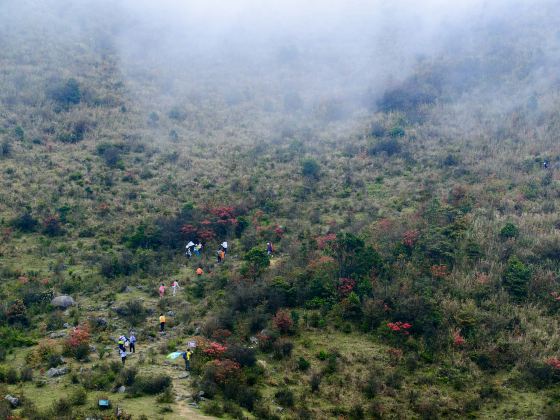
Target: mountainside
pixel 404 165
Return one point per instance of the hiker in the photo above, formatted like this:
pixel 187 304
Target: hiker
pixel 219 255
pixel 189 247
pixel 121 343
pixel 224 247
pixel 187 356
pixel 132 343
pixel 197 249
pixel 161 291
pixel 222 254
pixel 199 271
pixel 545 164
pixel 161 322
pixel 269 249
pixel 175 286
pixel 123 356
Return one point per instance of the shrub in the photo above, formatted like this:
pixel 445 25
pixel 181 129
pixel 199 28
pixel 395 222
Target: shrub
pixel 284 397
pixel 126 377
pixel 25 222
pixel 283 321
pixel 166 396
pixel 282 348
pixel 389 146
pixel 78 396
pixel 77 344
pixel 516 278
pixel 26 374
pixel 373 385
pixel 213 408
pixel 62 407
pixel 11 376
pixel 133 311
pixel 17 313
pixel 5 149
pixel 256 260
pixel 310 169
pixel 150 385
pixel 303 364
pixel 509 231
pixel 315 382
pixel 242 355
pixel 222 371
pixel 52 226
pixel 66 93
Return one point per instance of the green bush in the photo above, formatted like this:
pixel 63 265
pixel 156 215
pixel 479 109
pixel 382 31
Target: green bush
pixel 25 222
pixel 303 364
pixel 509 231
pixel 516 278
pixel 310 168
pixel 66 93
pixel 150 385
pixel 284 397
pixel 78 396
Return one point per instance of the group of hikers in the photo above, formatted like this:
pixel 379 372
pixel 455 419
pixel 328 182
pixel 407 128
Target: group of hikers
pixel 195 247
pixel 123 342
pixel 174 287
pixel 191 248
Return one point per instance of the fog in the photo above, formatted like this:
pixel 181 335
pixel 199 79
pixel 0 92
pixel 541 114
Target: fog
pixel 280 55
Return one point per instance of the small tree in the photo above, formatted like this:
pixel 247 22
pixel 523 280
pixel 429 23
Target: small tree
pixel 77 344
pixel 256 261
pixel 67 93
pixel 509 231
pixel 516 278
pixel 310 169
pixel 283 321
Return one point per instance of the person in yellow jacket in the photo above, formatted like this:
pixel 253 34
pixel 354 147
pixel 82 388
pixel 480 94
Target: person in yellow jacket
pixel 187 356
pixel 161 322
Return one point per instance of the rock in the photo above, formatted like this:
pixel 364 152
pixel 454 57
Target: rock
pixel 127 289
pixel 200 394
pixel 170 313
pixel 254 340
pixel 92 348
pixel 66 325
pixel 279 409
pixel 197 331
pixel 14 401
pixel 59 334
pixel 54 372
pixel 121 389
pixel 193 404
pixel 63 301
pixel 183 376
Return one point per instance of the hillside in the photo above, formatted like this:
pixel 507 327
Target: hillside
pixel 410 191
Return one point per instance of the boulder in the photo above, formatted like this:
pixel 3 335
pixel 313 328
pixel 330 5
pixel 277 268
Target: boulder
pixel 170 313
pixel 121 389
pixel 59 334
pixel 54 372
pixel 14 401
pixel 63 301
